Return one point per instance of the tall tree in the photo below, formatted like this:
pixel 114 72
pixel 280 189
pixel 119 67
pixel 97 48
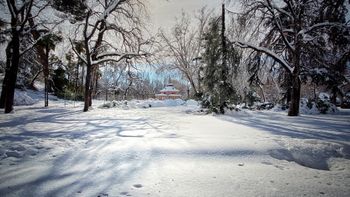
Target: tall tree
pixel 44 46
pixel 293 28
pixel 221 62
pixel 108 17
pixel 183 47
pixel 18 13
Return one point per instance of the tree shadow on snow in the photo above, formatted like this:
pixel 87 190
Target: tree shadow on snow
pixel 92 165
pixel 320 127
pixel 331 133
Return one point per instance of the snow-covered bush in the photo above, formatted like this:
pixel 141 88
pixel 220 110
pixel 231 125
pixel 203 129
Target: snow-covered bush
pixel 252 97
pixel 265 106
pixel 192 102
pixel 147 103
pixel 113 104
pixel 308 107
pixel 22 98
pixel 322 105
pixel 346 101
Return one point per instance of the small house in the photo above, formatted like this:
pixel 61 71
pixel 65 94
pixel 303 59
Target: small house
pixel 169 92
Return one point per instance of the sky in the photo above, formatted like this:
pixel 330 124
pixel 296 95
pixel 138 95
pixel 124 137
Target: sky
pixel 163 12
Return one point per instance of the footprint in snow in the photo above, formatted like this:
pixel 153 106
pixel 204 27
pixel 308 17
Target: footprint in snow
pixel 137 185
pixel 266 163
pixel 13 154
pixel 125 194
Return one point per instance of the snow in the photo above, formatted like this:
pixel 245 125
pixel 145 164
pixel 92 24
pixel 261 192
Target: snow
pixel 171 151
pixel 319 71
pixel 22 98
pixel 30 97
pixel 320 25
pixel 192 102
pixel 324 96
pixel 310 107
pixel 148 103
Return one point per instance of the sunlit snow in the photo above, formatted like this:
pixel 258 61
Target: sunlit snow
pixel 171 150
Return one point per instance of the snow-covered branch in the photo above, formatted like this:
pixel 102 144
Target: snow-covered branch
pixel 103 57
pixel 282 11
pixel 319 25
pixel 76 52
pixel 110 8
pixel 266 51
pixel 272 8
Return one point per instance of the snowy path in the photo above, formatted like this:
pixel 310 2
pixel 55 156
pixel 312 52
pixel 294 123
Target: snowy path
pixel 61 151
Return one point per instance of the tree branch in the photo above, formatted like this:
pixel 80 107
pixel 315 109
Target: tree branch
pixel 268 52
pixel 77 53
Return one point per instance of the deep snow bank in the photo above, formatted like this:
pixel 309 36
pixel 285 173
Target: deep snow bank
pixel 312 153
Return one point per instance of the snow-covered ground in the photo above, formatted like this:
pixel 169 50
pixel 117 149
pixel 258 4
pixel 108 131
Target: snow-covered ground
pixel 171 151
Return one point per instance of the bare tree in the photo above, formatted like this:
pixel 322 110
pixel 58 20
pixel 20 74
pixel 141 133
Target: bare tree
pixel 183 47
pixel 119 19
pixel 291 26
pixel 16 17
pixel 112 73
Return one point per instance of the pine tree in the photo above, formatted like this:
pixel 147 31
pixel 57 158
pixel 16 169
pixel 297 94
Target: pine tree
pixel 221 65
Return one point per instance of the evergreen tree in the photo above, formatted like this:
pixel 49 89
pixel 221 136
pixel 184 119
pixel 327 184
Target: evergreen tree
pixel 219 70
pixel 60 81
pixel 76 9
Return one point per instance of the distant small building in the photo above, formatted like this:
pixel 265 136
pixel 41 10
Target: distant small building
pixel 169 92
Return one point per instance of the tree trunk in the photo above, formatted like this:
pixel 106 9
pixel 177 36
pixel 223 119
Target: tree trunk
pixel 96 83
pixel 12 75
pixel 92 85
pixel 82 77
pixel 46 93
pixel 192 85
pixel 87 88
pixel 295 75
pixel 127 91
pixel 43 51
pixel 76 81
pixel 7 71
pixel 296 83
pixel 222 93
pixel 315 95
pixel 199 81
pixel 334 96
pixel 262 92
pixel 295 96
pixel 46 73
pixel 3 92
pixel 31 85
